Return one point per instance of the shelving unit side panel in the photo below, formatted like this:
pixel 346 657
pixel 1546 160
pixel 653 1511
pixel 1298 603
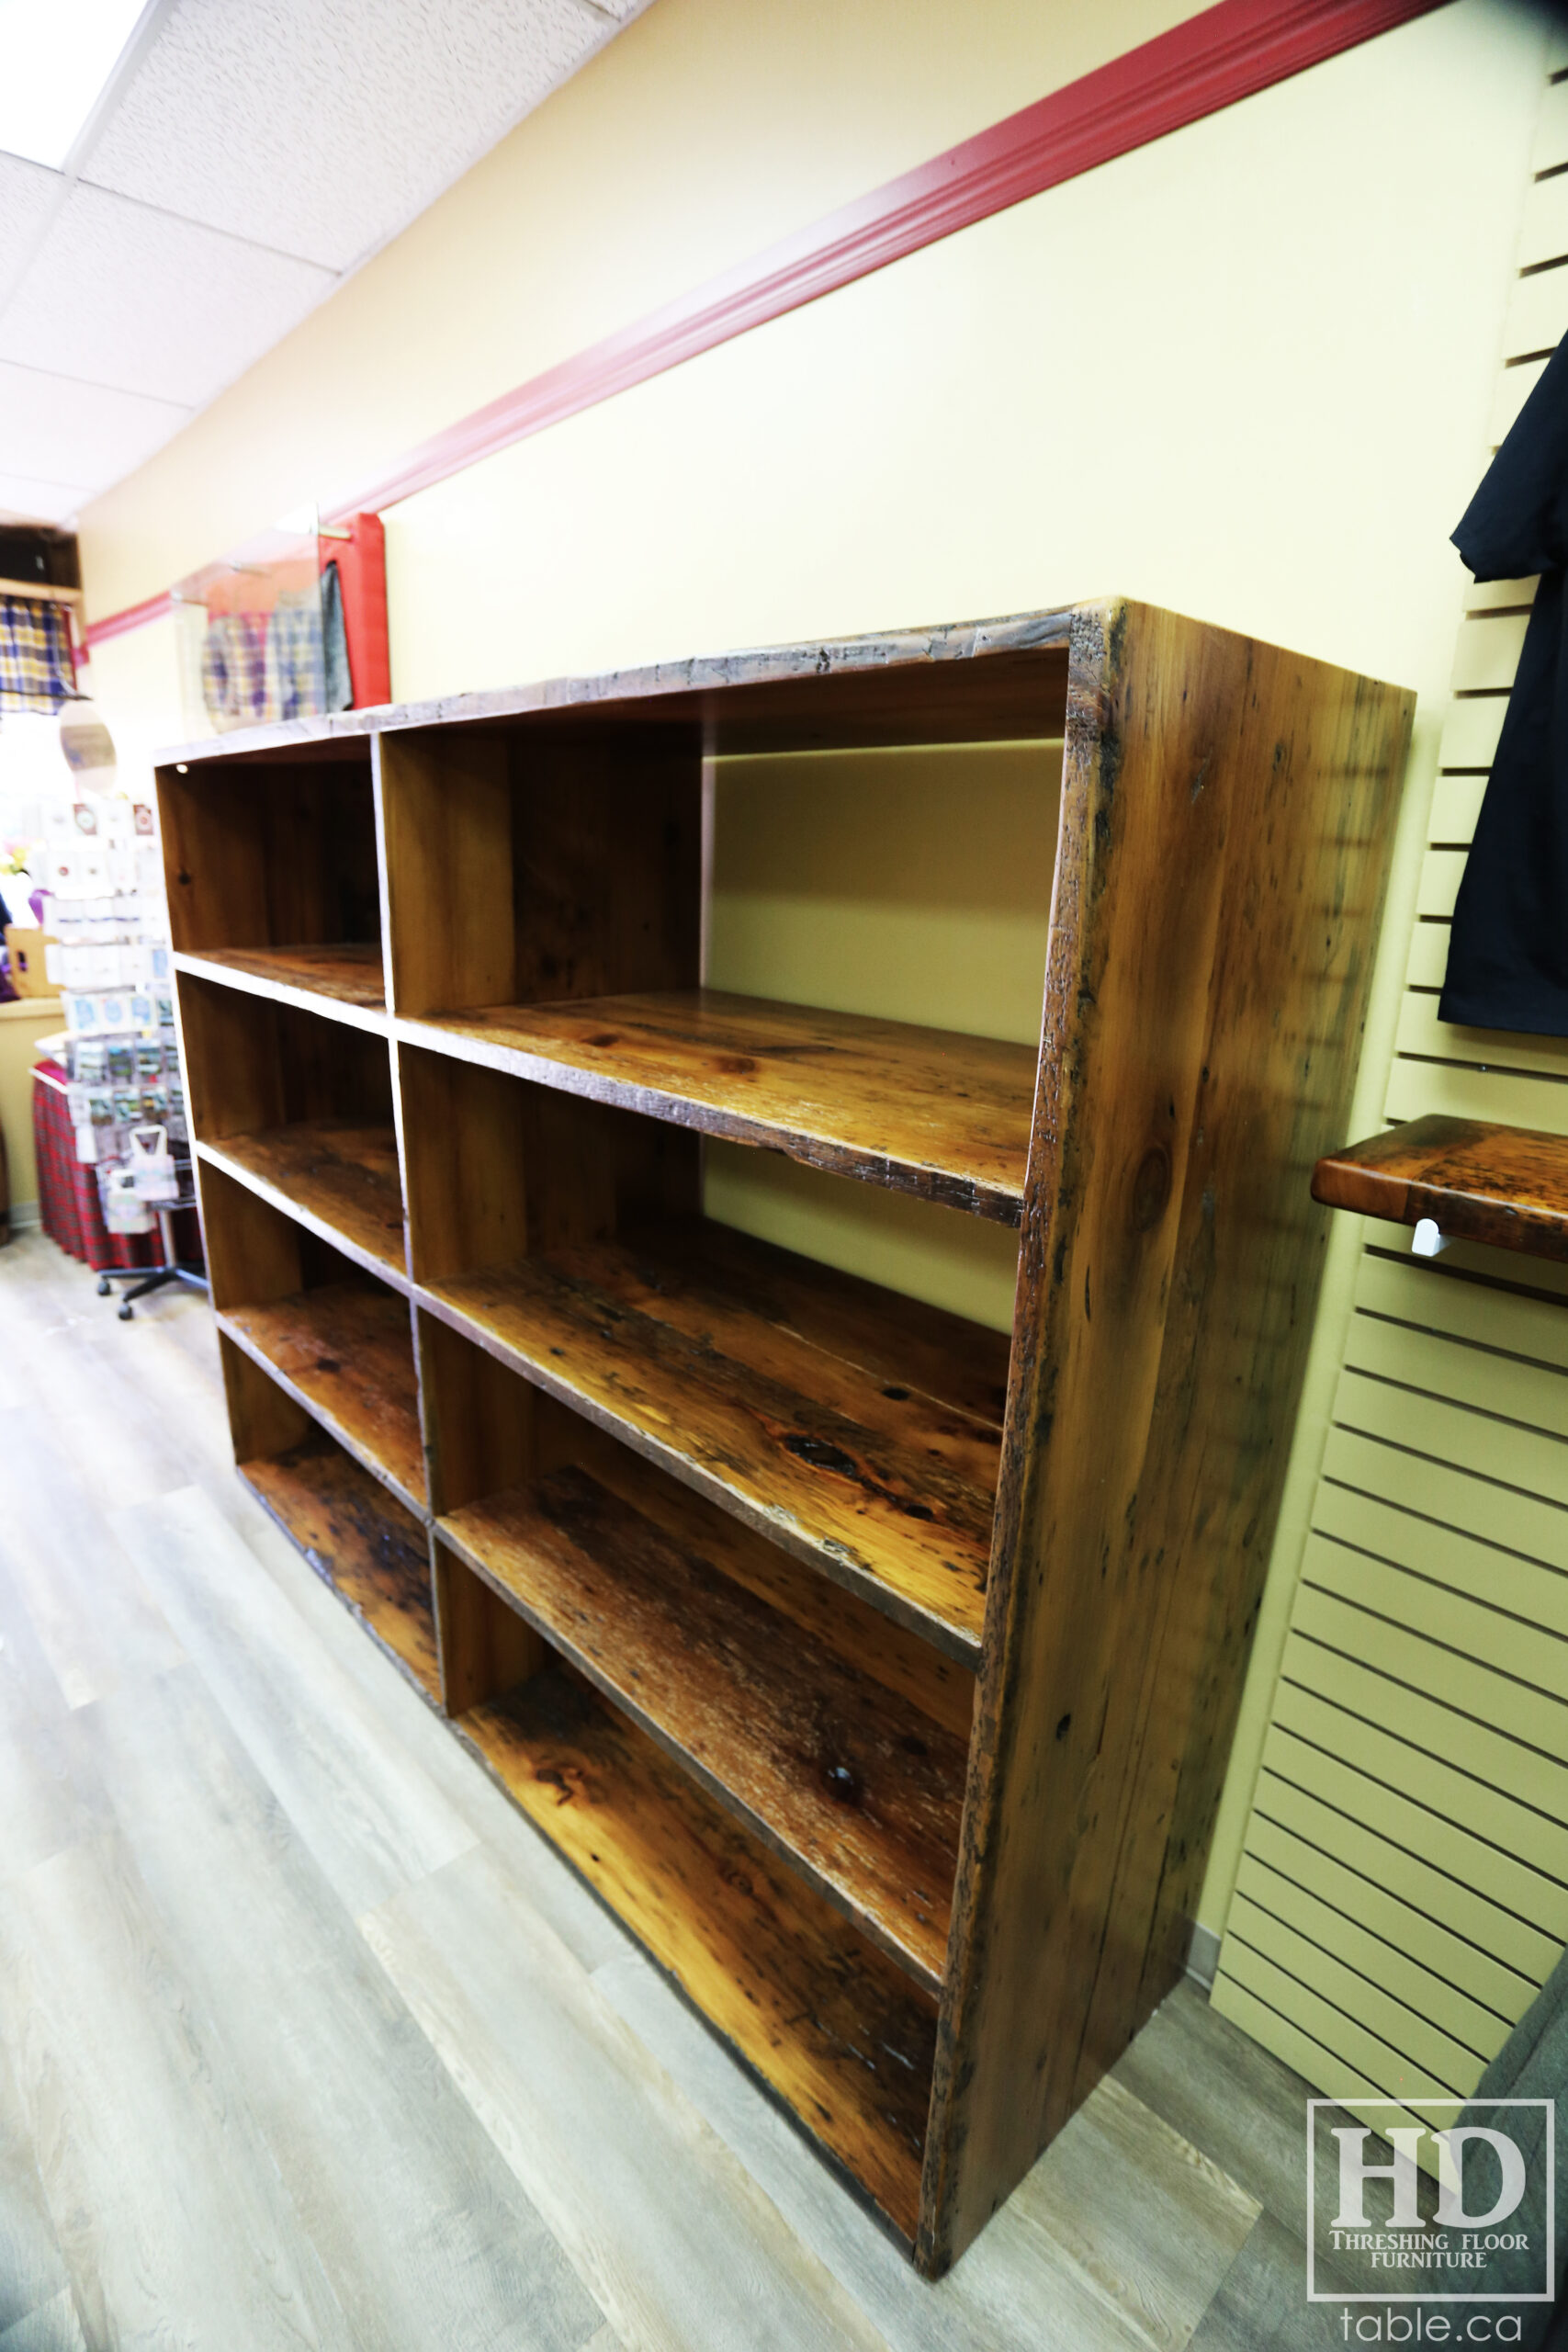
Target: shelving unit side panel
pixel 1198 1040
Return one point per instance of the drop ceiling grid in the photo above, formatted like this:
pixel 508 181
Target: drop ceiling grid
pixel 260 150
pixel 1403 1886
pixel 320 130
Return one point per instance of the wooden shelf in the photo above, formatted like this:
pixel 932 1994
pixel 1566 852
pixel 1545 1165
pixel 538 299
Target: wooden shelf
pixel 636 1583
pixel 829 2024
pixel 374 1554
pixel 336 1176
pixel 858 1430
pixel 345 1352
pixel 922 1110
pixel 345 981
pixel 1477 1183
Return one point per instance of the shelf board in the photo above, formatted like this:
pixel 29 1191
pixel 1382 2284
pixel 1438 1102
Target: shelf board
pixel 835 2029
pixel 373 1553
pixel 338 1178
pixel 345 1352
pixel 923 1111
pixel 344 981
pixel 848 1424
pixel 856 1787
pixel 1507 1186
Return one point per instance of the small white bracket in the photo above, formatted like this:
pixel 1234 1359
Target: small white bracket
pixel 1426 1241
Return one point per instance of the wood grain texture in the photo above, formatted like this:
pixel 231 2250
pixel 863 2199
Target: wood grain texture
pixel 366 1547
pixel 443 809
pixel 836 2029
pixel 339 980
pixel 1477 1182
pixel 883 1487
pixel 345 1352
pixel 336 1176
pixel 959 682
pixel 488 1430
pixel 1200 1048
pixel 858 1790
pixel 923 1111
pixel 259 854
pixel 487 1649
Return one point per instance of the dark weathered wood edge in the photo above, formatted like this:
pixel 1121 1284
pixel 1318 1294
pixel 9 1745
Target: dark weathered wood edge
pixel 702 674
pixel 562 1640
pixel 954 1643
pixel 916 1180
pixel 395 1277
pixel 416 1506
pixel 331 1007
pixel 320 1571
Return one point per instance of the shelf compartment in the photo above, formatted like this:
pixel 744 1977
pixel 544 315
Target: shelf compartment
pixel 1477 1182
pixel 342 979
pixel 851 1425
pixel 273 876
pixel 922 1110
pixel 837 2033
pixel 337 1177
pixel 345 1352
pixel 660 1599
pixel 360 1541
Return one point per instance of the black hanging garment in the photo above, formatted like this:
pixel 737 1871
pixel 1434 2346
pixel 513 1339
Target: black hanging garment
pixel 1508 950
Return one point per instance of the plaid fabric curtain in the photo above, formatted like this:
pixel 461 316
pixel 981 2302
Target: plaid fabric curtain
pixel 37 671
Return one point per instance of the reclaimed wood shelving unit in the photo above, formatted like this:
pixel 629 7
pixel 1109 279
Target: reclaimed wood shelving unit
pixel 877 1670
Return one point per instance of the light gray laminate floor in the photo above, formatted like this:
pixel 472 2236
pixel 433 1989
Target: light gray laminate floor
pixel 306 2039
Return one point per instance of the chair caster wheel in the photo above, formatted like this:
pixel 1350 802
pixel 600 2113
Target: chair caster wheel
pixel 127 1311
pixel 106 1287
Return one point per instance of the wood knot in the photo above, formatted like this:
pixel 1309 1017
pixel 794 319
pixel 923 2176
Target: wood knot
pixel 1151 1188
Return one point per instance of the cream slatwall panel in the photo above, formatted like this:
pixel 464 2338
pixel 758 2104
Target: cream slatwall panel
pixel 1403 1888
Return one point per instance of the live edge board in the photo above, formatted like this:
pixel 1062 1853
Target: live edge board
pixel 878 1668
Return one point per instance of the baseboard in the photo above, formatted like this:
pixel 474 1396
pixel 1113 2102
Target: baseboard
pixel 1202 1956
pixel 26 1216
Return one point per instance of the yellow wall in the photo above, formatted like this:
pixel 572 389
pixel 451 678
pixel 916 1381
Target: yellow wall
pixel 706 131
pixel 1244 372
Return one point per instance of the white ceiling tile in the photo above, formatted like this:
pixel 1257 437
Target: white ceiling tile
pixel 27 191
pixel 22 501
pixel 320 126
pixel 61 431
pixel 121 295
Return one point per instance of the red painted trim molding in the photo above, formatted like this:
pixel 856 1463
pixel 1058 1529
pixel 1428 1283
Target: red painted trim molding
pixel 132 616
pixel 1226 53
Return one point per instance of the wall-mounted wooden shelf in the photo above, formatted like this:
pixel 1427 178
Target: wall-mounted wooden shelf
pixel 1476 1181
pixel 877 1670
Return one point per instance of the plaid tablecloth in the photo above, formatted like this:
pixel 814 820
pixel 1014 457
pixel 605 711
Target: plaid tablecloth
pixel 68 1193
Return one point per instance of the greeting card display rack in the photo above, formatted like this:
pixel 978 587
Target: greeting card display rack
pixel 878 1672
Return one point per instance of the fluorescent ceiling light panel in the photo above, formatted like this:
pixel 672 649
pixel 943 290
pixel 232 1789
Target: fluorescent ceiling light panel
pixel 54 60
